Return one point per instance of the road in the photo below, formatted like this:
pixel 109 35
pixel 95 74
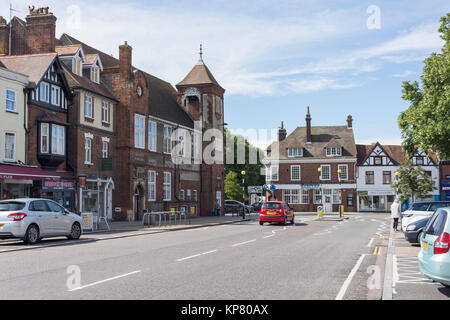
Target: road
pixel 309 260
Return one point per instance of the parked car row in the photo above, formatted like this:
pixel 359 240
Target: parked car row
pixel 428 223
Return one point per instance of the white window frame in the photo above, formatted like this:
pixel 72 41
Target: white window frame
pixel 336 196
pixel 95 74
pixel 106 112
pixel 14 102
pixel 167 140
pixel 139 131
pixel 188 195
pixel 88 138
pixel 105 147
pixel 322 172
pixel 292 173
pixel 167 186
pixel 291 196
pixel 47 135
pixel 58 141
pixel 151 185
pixel 14 146
pixel 55 95
pixel 194 195
pixel 274 175
pixel 182 194
pixel 88 107
pixel 340 175
pixel 295 152
pixel 317 196
pixel 334 152
pixel 76 65
pixel 304 193
pixel 44 88
pixel 152 136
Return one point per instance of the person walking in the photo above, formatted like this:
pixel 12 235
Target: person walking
pixel 395 213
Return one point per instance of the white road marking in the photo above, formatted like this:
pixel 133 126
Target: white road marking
pixel 370 242
pixel 241 243
pixel 197 255
pixel 102 281
pixel 347 282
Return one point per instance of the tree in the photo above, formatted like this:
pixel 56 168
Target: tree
pixel 412 182
pixel 233 189
pixel 425 124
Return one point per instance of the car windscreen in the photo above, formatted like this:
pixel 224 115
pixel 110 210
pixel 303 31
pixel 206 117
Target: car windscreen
pixel 420 206
pixel 272 205
pixel 438 205
pixel 11 206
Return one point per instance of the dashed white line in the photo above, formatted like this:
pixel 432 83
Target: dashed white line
pixel 241 243
pixel 370 242
pixel 196 255
pixel 102 281
pixel 347 282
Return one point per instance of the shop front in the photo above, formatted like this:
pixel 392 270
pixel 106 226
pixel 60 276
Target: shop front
pixel 62 192
pixel 375 201
pixel 96 196
pixel 445 187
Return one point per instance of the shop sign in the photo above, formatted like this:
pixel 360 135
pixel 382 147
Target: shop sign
pixel 309 186
pixel 57 185
pixel 255 189
pixel 363 193
pixel 381 193
pixel 445 187
pixel 82 182
pixel 107 164
pixel 87 220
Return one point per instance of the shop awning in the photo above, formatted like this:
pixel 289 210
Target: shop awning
pixel 26 173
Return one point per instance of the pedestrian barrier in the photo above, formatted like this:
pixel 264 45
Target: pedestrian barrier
pixel 164 217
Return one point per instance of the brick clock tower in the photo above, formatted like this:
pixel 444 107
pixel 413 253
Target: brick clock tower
pixel 202 97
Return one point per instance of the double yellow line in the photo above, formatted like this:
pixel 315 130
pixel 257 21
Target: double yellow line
pixel 377 251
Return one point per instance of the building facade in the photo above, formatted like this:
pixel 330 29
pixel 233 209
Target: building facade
pixel 313 166
pixel 444 172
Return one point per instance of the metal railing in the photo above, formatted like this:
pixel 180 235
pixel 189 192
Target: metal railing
pixel 167 216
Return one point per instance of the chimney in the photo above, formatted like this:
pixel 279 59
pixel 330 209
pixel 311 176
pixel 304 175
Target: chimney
pixel 308 127
pixel 281 132
pixel 349 122
pixel 4 37
pixel 40 31
pixel 125 53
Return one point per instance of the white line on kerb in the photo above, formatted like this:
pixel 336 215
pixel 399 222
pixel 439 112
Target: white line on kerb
pixel 241 243
pixel 196 255
pixel 102 281
pixel 370 242
pixel 349 278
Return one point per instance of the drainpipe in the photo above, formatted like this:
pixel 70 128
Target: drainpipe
pixel 27 132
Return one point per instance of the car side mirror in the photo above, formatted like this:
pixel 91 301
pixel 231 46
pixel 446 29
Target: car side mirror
pixel 66 211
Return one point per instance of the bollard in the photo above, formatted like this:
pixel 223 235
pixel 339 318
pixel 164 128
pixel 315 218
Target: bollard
pixel 341 211
pixel 319 211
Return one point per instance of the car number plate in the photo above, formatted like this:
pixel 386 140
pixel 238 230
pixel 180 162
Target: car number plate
pixel 425 245
pixel 271 212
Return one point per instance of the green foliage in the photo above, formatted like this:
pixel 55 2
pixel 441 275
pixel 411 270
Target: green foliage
pixel 425 124
pixel 413 182
pixel 233 189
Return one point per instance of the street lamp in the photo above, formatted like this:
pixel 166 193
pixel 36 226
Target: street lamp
pixel 243 193
pixel 321 189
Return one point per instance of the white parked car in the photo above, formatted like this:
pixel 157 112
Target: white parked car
pixel 34 219
pixel 421 210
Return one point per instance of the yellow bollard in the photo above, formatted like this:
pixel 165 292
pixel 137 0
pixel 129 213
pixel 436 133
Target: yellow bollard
pixel 341 211
pixel 319 211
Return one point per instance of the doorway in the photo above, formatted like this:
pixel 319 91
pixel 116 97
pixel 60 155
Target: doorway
pixel 138 202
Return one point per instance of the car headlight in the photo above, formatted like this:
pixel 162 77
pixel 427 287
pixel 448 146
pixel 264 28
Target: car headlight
pixel 411 227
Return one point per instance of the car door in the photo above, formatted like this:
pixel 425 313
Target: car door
pixel 42 216
pixel 433 230
pixel 62 221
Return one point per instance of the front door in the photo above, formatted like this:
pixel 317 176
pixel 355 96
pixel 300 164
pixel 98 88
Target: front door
pixel 328 206
pixel 137 208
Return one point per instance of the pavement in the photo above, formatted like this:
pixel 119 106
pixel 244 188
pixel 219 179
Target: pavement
pixel 312 259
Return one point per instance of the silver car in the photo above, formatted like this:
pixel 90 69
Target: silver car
pixel 34 219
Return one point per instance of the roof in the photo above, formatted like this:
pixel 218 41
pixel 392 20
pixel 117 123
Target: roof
pixel 90 58
pixel 50 116
pixel 162 95
pixel 394 152
pixel 199 75
pixel 69 50
pixel 75 82
pixel 321 136
pixel 33 65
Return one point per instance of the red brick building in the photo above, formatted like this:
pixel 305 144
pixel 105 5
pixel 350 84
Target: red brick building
pixel 313 166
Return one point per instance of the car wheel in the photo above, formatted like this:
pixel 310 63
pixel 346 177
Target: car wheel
pixel 75 232
pixel 32 234
pixel 261 223
pixel 418 236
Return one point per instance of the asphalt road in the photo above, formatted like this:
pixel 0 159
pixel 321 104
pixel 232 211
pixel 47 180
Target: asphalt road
pixel 308 260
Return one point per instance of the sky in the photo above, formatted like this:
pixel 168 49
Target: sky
pixel 274 58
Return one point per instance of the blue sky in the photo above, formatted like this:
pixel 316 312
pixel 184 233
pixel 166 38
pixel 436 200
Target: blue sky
pixel 274 58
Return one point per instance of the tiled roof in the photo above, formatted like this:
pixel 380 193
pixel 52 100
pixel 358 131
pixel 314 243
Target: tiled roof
pixel 394 152
pixel 199 74
pixel 321 136
pixel 90 58
pixel 75 81
pixel 33 65
pixel 69 50
pixel 162 95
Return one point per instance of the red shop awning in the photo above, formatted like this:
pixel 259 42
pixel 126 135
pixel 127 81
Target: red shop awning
pixel 26 173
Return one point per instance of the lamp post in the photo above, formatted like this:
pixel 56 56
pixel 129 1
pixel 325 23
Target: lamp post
pixel 243 193
pixel 321 190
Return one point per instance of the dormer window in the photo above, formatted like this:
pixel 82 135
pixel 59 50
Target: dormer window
pixel 76 65
pixel 95 74
pixel 295 152
pixel 334 152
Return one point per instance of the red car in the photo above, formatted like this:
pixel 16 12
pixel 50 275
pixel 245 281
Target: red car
pixel 276 211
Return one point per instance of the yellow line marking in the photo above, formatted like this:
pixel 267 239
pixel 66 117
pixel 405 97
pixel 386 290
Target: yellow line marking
pixel 377 251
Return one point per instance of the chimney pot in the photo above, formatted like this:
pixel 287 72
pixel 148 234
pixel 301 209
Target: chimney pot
pixel 349 121
pixel 282 132
pixel 308 127
pixel 125 56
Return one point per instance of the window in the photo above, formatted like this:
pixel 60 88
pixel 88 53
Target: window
pixel 274 173
pixel 304 196
pixel 168 139
pixel 95 71
pixel 105 149
pixel 44 137
pixel 106 112
pixel 295 152
pixel 333 152
pixel 194 195
pixel 337 195
pixel 344 172
pixel 167 186
pixel 182 194
pixel 151 185
pixel 419 161
pixel 325 173
pixel 437 223
pixel 181 141
pixel 11 104
pixel 76 65
pixel 428 173
pixel 369 177
pixel 152 136
pixel 88 110
pixel 295 173
pixel 291 196
pixel 58 139
pixel 139 131
pixel 378 161
pixel 43 92
pixel 317 196
pixel 188 194
pixel 386 177
pixel 55 95
pixel 10 146
pixel 219 107
pixel 88 149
